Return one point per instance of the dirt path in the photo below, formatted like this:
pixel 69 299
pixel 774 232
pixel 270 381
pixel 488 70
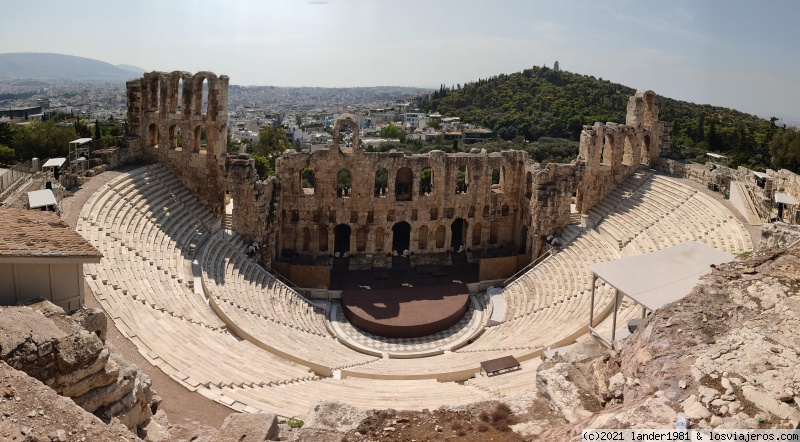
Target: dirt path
pixel 186 408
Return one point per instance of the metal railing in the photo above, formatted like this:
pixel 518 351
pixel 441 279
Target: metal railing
pixel 547 253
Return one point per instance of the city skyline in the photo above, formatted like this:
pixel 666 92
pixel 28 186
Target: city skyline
pixel 736 54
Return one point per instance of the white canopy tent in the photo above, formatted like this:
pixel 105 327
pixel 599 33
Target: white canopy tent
pixel 655 279
pixel 41 198
pixel 54 162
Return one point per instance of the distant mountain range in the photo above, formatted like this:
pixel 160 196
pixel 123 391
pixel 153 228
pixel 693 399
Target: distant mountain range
pixel 60 66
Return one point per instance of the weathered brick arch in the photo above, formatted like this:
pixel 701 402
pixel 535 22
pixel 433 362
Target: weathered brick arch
pixel 176 87
pixel 197 95
pixel 153 81
pixel 347 120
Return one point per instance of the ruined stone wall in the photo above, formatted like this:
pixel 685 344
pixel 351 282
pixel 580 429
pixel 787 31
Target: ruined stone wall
pixel 613 152
pixel 551 201
pixel 254 204
pixel 181 120
pixel 69 354
pixel 494 216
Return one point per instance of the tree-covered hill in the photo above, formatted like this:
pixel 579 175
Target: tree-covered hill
pixel 541 102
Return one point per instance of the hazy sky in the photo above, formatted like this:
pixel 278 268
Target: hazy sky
pixel 741 54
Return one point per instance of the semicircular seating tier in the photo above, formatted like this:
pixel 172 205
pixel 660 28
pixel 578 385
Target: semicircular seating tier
pixel 250 342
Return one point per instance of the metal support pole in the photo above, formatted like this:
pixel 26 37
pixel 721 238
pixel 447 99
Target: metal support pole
pixel 614 319
pixel 591 305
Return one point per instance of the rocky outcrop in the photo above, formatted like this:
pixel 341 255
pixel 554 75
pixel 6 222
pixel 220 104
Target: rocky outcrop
pixel 244 427
pixel 727 355
pixel 33 412
pixel 69 354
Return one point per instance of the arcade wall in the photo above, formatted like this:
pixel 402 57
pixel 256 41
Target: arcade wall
pixel 181 120
pixel 460 192
pixel 613 152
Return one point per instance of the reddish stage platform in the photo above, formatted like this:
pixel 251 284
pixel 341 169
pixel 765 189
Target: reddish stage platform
pixel 408 312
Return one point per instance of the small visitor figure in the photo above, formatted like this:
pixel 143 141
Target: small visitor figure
pixel 252 249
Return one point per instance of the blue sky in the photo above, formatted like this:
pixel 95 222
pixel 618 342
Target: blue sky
pixel 741 54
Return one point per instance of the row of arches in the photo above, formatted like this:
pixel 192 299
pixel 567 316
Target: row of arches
pixel 404 182
pixel 628 141
pixel 425 239
pixel 185 94
pixel 177 139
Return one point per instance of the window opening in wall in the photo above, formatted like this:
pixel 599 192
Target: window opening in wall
pixel 361 239
pixel 381 182
pixel 307 181
pixel 646 150
pixel 344 180
pixel 434 214
pixel 341 240
pixel 493 230
pixel 498 175
pixel 401 237
pixel 440 234
pixel 154 94
pixel 458 234
pixel 476 234
pixel 461 180
pixel 426 181
pixel 422 235
pixel 403 184
pixel 204 97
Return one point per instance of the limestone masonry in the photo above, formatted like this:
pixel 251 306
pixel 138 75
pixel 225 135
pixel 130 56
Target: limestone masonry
pixel 343 201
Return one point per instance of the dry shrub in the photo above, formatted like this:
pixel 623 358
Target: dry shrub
pixel 482 427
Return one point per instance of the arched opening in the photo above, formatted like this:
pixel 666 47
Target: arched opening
pixel 498 178
pixel 523 240
pixel 380 239
pixel 461 180
pixel 341 239
pixel 173 137
pixel 627 150
pixel 203 102
pixel 307 181
pixel 152 135
pixel 422 238
pixel 493 230
pixel 607 151
pixel 528 184
pixel 344 179
pixel 199 138
pixel 361 239
pixel 306 239
pixel 403 184
pixel 175 93
pixel 646 150
pixel 476 234
pixel 401 237
pixel 458 233
pixel 381 182
pixel 323 239
pixel 154 95
pixel 439 237
pixel 426 181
